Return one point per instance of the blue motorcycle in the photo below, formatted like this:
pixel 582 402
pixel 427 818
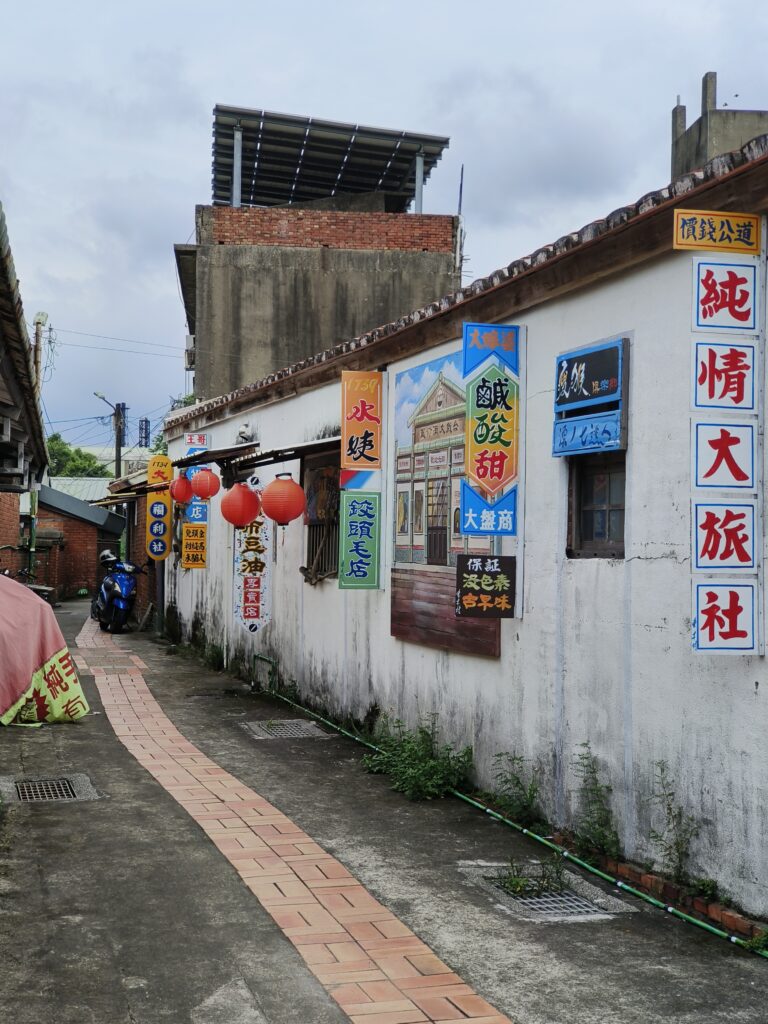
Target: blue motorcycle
pixel 114 602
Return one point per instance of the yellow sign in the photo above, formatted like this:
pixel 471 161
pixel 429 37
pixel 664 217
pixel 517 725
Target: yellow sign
pixel 721 232
pixel 492 429
pixel 159 470
pixel 360 420
pixel 194 545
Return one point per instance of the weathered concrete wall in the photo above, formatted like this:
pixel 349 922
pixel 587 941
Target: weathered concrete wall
pixel 602 652
pixel 263 307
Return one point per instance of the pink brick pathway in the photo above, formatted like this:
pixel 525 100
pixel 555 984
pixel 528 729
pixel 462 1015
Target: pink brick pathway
pixel 375 968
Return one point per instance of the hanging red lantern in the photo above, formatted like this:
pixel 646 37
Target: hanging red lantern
pixel 240 505
pixel 181 490
pixel 205 484
pixel 283 499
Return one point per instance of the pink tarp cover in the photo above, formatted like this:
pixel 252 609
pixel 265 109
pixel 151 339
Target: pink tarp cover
pixel 29 637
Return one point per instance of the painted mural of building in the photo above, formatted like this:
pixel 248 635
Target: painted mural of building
pixel 633 450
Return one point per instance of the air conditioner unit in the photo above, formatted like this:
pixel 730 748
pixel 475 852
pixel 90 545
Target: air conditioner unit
pixel 189 359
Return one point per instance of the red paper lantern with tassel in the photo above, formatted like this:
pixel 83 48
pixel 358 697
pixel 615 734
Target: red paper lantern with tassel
pixel 181 490
pixel 283 499
pixel 205 484
pixel 240 505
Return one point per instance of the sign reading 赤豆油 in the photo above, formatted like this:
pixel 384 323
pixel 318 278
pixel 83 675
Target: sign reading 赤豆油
pixel 724 232
pixel 485 586
pixel 359 540
pixel 590 399
pixel 252 578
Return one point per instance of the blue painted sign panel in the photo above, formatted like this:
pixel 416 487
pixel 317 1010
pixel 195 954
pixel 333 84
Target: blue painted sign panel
pixel 480 518
pixel 484 340
pixel 595 432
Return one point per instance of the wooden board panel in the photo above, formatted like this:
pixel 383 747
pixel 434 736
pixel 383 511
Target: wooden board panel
pixel 423 612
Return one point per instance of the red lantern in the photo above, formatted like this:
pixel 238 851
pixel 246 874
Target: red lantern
pixel 205 484
pixel 240 505
pixel 181 490
pixel 283 499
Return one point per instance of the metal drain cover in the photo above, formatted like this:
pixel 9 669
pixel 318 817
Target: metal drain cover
pixel 45 789
pixel 72 787
pixel 286 729
pixel 565 903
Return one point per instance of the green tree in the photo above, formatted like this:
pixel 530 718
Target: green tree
pixel 68 461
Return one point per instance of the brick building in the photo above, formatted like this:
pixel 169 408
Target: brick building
pixel 70 536
pixel 307 243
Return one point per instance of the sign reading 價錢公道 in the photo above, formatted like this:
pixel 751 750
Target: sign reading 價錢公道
pixel 158 520
pixel 253 575
pixel 485 586
pixel 721 232
pixel 194 545
pixel 359 540
pixel 361 415
pixel 590 399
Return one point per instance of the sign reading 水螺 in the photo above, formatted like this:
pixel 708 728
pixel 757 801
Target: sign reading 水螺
pixel 360 419
pixel 359 540
pixel 722 232
pixel 158 519
pixel 485 586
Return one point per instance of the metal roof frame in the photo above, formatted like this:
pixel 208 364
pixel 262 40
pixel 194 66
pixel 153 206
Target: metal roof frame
pixel 290 159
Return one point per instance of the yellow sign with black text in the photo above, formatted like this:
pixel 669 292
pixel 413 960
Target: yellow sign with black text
pixel 194 545
pixel 158 519
pixel 718 232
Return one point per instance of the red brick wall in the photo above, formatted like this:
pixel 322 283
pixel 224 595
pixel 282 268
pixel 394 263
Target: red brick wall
pixel 9 519
pixel 74 566
pixel 402 232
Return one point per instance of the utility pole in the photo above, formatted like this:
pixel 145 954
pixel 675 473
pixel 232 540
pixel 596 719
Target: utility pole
pixel 41 319
pixel 118 418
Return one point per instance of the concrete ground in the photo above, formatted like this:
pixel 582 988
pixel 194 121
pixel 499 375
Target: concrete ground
pixel 221 879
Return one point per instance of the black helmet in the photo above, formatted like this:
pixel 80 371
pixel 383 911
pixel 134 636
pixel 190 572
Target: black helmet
pixel 106 557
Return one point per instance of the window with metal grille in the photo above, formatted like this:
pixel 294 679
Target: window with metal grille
pixel 321 486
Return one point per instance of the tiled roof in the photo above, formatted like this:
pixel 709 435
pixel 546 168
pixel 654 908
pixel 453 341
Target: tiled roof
pixel 718 168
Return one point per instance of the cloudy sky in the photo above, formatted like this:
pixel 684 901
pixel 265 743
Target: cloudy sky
pixel 559 112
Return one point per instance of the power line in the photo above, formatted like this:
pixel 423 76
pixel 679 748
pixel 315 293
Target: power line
pixel 130 341
pixel 130 351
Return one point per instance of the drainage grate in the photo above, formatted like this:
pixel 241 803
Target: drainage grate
pixel 286 729
pixel 45 789
pixel 565 903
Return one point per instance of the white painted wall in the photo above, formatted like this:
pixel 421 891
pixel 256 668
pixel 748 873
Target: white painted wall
pixel 602 651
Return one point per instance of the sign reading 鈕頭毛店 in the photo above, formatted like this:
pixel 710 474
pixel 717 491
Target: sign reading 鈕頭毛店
pixel 359 540
pixel 158 519
pixel 720 232
pixel 361 416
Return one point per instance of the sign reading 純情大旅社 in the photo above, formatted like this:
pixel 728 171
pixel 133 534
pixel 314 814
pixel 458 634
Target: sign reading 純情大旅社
pixel 590 399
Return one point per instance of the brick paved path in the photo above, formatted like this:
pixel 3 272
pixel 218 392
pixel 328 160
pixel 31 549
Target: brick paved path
pixel 375 968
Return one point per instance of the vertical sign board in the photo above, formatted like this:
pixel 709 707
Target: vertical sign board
pixel 488 495
pixel 194 525
pixel 726 502
pixel 252 580
pixel 359 540
pixel 485 587
pixel 158 521
pixel 361 408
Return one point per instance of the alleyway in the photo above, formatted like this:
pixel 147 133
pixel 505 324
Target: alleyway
pixel 223 879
